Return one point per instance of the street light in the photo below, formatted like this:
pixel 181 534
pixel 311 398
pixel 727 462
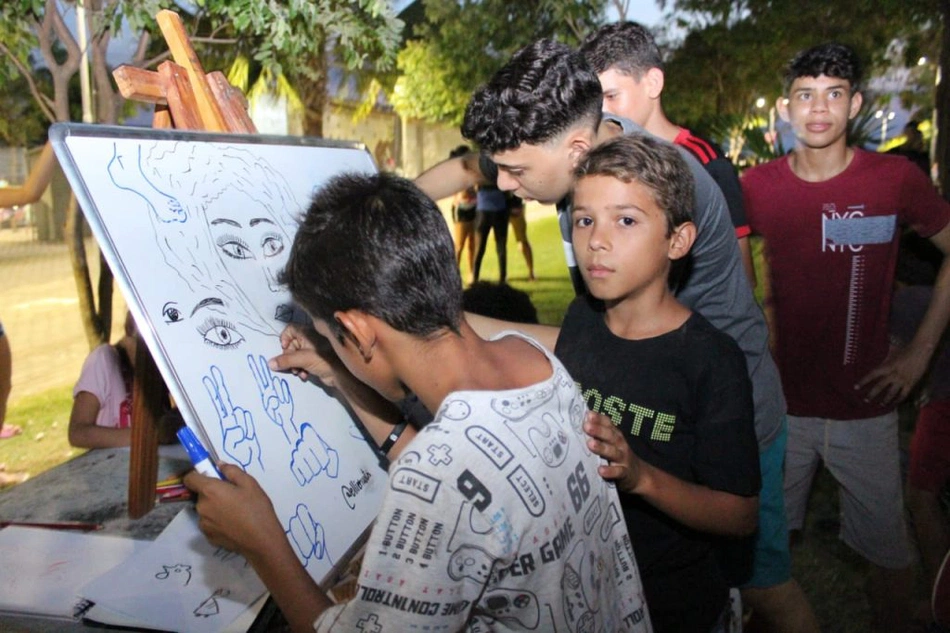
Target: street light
pixel 889 116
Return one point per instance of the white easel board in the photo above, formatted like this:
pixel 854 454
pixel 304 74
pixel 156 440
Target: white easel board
pixel 196 228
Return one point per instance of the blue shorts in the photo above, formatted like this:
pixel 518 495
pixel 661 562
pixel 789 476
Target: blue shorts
pixel 772 562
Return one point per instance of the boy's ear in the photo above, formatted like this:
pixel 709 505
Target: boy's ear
pixel 682 240
pixel 358 330
pixel 579 144
pixel 781 106
pixel 856 100
pixel 655 81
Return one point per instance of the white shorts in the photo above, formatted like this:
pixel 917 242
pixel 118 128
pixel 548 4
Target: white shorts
pixel 863 457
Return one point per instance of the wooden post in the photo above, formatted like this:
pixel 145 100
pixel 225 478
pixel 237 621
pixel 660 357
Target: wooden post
pixel 185 98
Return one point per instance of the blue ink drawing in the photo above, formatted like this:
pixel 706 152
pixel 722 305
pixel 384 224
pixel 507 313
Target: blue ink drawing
pixel 312 456
pixel 276 399
pixel 237 424
pixel 306 535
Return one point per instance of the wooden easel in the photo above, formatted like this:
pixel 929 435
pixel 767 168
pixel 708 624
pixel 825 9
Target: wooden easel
pixel 185 98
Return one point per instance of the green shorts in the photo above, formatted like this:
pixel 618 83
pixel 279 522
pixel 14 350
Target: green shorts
pixel 772 562
pixel 763 560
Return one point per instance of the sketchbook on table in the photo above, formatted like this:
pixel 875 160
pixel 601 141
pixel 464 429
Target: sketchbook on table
pixel 196 228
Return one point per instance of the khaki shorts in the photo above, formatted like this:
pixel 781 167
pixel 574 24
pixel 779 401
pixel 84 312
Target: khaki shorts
pixel 863 457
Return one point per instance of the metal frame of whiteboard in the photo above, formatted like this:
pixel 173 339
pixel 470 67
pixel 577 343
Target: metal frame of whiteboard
pixel 157 202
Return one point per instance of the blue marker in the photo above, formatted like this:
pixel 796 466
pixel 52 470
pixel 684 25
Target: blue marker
pixel 197 453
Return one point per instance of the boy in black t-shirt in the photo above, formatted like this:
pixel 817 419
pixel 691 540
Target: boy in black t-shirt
pixel 682 446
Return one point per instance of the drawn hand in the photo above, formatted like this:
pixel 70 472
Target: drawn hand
pixel 895 378
pixel 623 466
pixel 312 456
pixel 235 514
pixel 275 393
pixel 307 536
pixel 306 353
pixel 237 424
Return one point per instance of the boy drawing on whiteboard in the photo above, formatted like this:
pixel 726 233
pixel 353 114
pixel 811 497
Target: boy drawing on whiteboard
pixel 495 516
pixel 222 221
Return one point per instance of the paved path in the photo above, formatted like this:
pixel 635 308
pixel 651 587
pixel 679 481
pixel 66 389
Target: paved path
pixel 39 310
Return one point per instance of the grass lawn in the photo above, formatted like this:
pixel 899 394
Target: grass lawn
pixel 44 418
pixel 551 291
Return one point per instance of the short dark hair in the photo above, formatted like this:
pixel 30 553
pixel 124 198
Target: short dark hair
pixel 545 89
pixel 626 46
pixel 376 243
pixel 499 301
pixel 830 59
pixel 461 150
pixel 654 163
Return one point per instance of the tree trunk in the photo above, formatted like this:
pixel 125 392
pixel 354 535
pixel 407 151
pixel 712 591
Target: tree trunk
pixel 91 321
pixel 313 94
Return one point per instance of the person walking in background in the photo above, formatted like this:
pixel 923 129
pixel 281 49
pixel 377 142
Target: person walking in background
pixel 463 216
pixel 491 216
pixel 7 430
pixel 519 224
pixel 6 383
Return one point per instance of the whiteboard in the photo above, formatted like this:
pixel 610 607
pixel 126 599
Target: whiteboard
pixel 196 228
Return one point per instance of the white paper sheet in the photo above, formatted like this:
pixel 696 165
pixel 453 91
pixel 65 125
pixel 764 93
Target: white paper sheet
pixel 179 583
pixel 41 570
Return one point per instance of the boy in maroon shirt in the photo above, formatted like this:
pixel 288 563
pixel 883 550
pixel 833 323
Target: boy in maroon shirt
pixel 831 215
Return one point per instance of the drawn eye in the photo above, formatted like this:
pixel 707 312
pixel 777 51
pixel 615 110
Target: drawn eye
pixel 220 334
pixel 171 313
pixel 272 245
pixel 234 247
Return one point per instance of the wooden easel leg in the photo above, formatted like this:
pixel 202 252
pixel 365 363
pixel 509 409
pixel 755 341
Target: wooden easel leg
pixel 148 400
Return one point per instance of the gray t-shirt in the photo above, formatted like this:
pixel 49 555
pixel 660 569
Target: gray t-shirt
pixel 496 520
pixel 717 288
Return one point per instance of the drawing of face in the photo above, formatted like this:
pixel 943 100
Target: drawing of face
pixel 211 320
pixel 247 238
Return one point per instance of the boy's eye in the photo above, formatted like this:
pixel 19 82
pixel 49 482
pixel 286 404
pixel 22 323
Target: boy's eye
pixel 627 221
pixel 582 221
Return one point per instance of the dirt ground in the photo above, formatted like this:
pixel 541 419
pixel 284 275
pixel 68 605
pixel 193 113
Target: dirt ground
pixel 39 310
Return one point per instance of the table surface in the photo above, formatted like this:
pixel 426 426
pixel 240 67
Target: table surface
pixel 91 488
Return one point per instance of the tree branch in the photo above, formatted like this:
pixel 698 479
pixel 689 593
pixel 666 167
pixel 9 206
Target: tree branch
pixel 39 97
pixel 138 57
pixel 73 54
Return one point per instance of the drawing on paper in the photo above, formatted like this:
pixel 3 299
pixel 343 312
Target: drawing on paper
pixel 177 572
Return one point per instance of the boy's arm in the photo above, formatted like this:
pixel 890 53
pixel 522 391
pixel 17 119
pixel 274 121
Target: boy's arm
pixel 450 176
pixel 724 173
pixel 693 505
pixel 487 327
pixel 236 514
pixel 894 379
